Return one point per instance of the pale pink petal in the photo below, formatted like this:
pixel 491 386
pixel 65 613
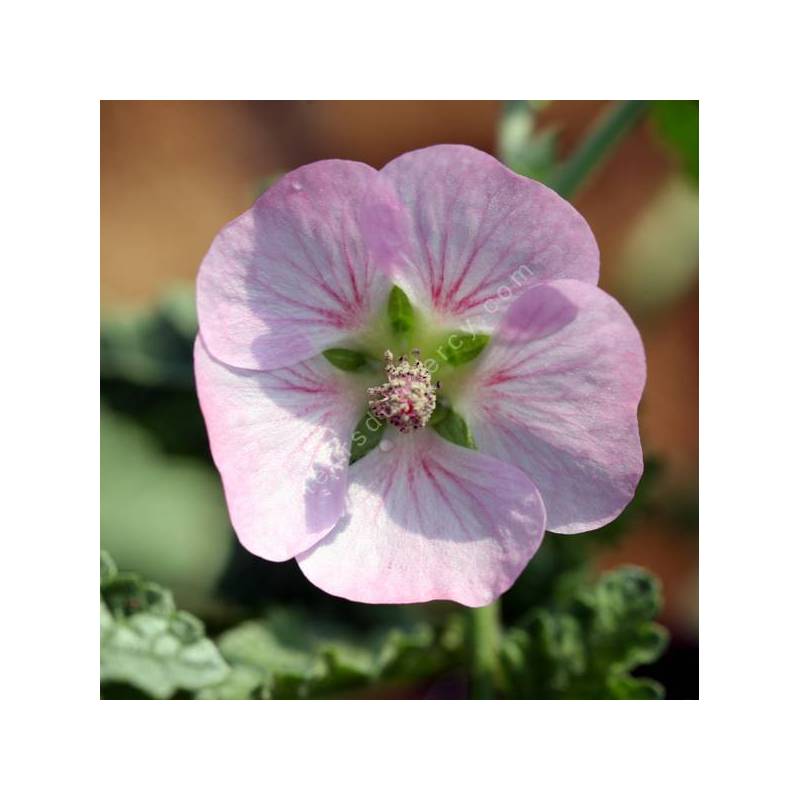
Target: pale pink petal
pixel 301 270
pixel 481 234
pixel 427 520
pixel 281 442
pixel 385 225
pixel 556 393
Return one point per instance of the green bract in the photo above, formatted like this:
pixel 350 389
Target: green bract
pixel 461 347
pixel 366 436
pixel 453 427
pixel 348 360
pixel 401 313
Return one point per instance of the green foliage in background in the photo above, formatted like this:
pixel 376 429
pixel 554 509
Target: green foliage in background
pixel 155 348
pixel 523 145
pixel 291 655
pixel 161 514
pixel 162 510
pixel 582 644
pixel 678 123
pixel 531 149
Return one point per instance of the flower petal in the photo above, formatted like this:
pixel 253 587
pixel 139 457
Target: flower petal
pixel 556 394
pixel 302 269
pixel 481 234
pixel 281 442
pixel 428 520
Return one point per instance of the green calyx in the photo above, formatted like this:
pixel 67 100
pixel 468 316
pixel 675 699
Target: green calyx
pixel 403 329
pixel 445 354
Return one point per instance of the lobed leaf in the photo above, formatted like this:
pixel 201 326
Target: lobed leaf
pixel 290 656
pixel 147 643
pixel 587 646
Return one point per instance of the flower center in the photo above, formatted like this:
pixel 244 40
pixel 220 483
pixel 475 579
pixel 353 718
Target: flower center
pixel 408 397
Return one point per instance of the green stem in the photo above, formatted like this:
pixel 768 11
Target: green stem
pixel 597 146
pixel 484 643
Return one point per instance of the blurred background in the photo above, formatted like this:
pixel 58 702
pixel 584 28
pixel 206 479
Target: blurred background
pixel 172 174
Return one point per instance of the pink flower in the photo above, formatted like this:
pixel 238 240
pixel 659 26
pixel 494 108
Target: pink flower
pixel 550 402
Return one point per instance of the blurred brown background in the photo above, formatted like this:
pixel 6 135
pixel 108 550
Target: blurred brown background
pixel 172 173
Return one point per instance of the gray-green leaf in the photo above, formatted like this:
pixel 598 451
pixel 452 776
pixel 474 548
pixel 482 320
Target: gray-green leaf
pixel 288 655
pixel 147 643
